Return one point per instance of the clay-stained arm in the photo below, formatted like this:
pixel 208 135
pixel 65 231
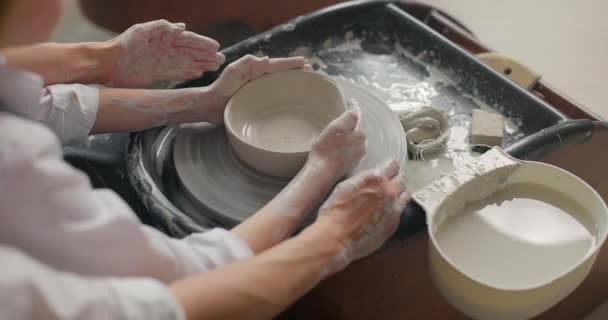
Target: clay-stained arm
pixel 137 109
pixel 262 286
pixel 85 63
pixel 355 221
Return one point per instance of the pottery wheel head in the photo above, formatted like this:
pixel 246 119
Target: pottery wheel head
pixel 225 189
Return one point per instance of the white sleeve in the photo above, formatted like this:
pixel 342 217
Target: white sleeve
pixel 69 110
pixel 50 210
pixel 31 290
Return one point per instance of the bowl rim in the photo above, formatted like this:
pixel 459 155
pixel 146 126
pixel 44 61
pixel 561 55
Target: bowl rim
pixel 589 256
pixel 232 133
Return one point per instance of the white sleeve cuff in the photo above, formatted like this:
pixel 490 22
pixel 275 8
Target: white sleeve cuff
pixel 71 110
pixel 237 248
pixel 215 248
pixel 146 299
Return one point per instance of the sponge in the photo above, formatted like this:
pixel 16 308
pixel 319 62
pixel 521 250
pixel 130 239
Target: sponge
pixel 487 128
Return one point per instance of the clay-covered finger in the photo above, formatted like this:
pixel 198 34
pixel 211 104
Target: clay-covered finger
pixel 358 137
pixel 351 119
pixel 204 66
pixel 402 201
pixel 156 24
pixel 359 127
pixel 360 180
pixel 347 121
pixel 344 123
pixel 308 67
pixel 220 58
pixel 389 169
pixel 284 64
pixel 353 105
pixel 259 67
pixel 188 39
pixel 200 55
pixel 401 182
pixel 370 180
pixel 178 27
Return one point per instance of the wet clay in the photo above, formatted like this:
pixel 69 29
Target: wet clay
pixel 523 234
pixel 272 120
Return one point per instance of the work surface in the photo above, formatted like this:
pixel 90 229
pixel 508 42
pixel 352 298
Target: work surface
pixel 396 283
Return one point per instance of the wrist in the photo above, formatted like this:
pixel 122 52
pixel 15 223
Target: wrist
pixel 102 59
pixel 192 105
pixel 321 237
pixel 322 169
pixel 220 94
pixel 313 183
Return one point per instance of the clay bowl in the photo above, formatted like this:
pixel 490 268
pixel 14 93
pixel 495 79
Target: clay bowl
pixel 515 265
pixel 272 121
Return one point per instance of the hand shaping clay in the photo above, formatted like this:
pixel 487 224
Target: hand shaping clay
pixel 224 188
pixel 273 120
pixel 487 128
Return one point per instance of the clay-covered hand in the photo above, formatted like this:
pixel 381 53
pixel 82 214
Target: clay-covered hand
pixel 364 211
pixel 341 145
pixel 238 73
pixel 160 50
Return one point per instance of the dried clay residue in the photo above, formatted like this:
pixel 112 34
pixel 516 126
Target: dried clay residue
pixel 406 82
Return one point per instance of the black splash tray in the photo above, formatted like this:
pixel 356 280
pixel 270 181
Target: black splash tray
pixel 379 45
pixel 383 48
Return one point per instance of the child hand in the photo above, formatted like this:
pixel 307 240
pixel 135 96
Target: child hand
pixel 238 73
pixel 340 146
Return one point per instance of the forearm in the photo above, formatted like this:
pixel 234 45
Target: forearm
pixel 87 62
pixel 139 109
pixel 263 286
pixel 280 217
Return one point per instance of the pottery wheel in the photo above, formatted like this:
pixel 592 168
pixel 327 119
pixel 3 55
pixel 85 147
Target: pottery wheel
pixel 229 191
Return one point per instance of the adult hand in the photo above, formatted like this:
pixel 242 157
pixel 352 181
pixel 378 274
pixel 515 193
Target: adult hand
pixel 364 211
pixel 238 73
pixel 341 145
pixel 160 50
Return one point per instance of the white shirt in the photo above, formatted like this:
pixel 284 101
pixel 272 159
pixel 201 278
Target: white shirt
pixel 68 251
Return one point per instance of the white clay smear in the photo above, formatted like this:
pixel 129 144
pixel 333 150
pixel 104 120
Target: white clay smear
pixel 522 236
